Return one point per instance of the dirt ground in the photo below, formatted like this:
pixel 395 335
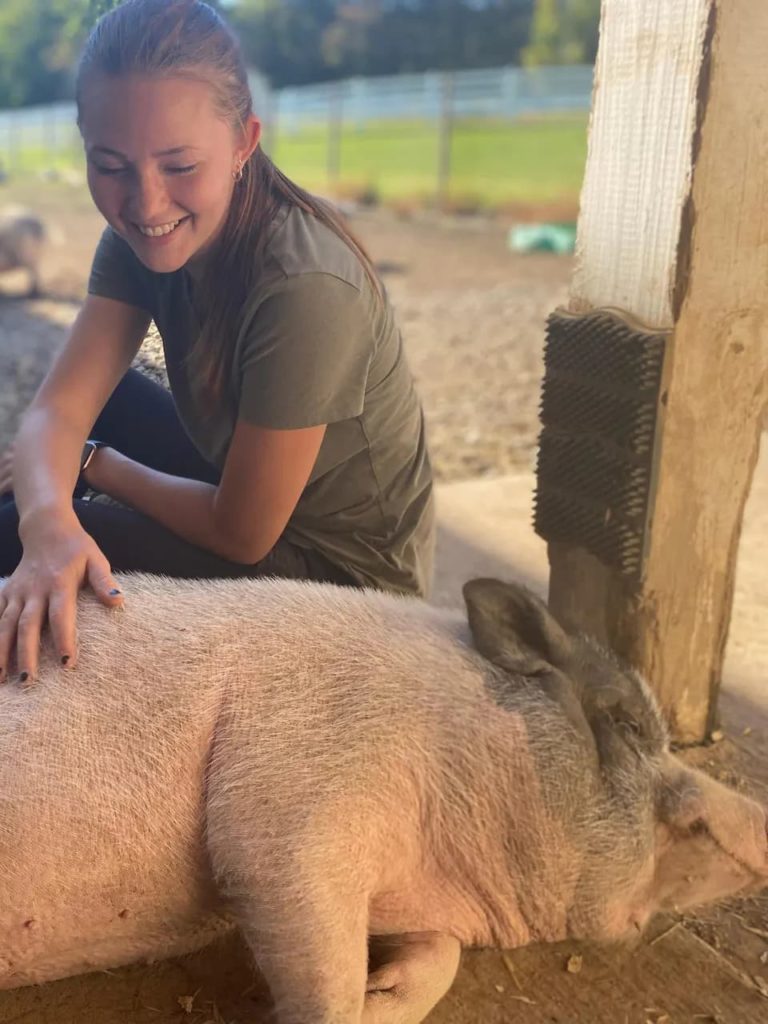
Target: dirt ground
pixel 472 317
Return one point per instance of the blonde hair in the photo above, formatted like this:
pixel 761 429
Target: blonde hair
pixel 188 38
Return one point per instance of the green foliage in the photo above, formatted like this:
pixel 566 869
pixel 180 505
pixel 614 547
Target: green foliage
pixel 294 41
pixel 563 32
pixel 98 7
pixel 39 42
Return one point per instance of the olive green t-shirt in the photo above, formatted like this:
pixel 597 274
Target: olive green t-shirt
pixel 315 345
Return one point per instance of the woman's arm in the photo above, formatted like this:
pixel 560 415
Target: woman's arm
pixel 58 555
pixel 104 339
pixel 241 519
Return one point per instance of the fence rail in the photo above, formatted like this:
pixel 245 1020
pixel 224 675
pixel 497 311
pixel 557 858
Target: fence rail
pixel 508 92
pixel 327 115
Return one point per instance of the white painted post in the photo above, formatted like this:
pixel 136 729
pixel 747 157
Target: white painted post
pixel 674 230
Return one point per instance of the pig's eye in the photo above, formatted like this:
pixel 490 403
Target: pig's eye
pixel 630 727
pixel 699 828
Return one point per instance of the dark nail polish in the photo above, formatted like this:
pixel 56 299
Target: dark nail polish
pixel 23 677
pixel 64 659
pixel 114 592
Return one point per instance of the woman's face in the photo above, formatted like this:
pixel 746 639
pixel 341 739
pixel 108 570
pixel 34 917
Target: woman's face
pixel 160 163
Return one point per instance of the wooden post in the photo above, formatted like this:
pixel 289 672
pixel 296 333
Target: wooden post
pixel 674 229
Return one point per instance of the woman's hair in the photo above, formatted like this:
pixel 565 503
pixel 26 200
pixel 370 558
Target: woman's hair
pixel 188 38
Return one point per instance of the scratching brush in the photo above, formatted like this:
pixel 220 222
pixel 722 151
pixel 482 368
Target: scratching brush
pixel 600 438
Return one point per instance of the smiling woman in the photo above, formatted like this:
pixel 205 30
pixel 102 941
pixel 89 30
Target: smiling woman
pixel 148 190
pixel 292 442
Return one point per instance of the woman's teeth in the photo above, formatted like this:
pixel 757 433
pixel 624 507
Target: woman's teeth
pixel 161 229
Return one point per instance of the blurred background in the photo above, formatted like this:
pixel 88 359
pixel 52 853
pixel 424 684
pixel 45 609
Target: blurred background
pixel 472 105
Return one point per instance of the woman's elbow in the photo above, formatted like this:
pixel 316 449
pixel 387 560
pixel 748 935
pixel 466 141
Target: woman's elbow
pixel 243 550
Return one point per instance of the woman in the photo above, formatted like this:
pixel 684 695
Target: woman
pixel 293 441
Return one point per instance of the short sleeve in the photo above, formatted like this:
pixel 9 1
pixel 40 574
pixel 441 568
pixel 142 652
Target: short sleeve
pixel 306 354
pixel 117 273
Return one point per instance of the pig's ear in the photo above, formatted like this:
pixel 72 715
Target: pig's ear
pixel 514 629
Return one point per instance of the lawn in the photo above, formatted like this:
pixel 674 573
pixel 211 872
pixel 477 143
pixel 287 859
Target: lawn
pixel 493 163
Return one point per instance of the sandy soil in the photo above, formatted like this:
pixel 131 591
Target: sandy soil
pixel 472 318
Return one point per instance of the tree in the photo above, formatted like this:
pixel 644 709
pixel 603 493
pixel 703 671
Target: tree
pixel 563 32
pixel 98 7
pixel 39 42
pixel 297 41
pixel 284 39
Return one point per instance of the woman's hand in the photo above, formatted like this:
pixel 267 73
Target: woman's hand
pixel 59 558
pixel 6 470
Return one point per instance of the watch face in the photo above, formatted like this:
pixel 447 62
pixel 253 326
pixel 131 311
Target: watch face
pixel 87 454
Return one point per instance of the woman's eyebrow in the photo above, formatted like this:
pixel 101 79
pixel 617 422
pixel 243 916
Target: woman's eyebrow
pixel 122 156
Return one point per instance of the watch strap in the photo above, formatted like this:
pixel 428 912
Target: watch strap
pixel 89 450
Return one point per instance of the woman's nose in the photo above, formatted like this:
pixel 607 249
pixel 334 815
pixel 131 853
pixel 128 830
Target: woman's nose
pixel 149 200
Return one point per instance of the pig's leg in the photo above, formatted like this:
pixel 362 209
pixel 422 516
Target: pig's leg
pixel 311 946
pixel 410 974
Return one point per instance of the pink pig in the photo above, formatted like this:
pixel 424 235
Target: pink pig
pixel 362 783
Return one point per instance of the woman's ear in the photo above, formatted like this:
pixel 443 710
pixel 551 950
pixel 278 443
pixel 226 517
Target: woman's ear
pixel 251 136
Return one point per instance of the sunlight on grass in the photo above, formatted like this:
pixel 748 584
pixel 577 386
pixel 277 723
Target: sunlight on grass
pixel 492 162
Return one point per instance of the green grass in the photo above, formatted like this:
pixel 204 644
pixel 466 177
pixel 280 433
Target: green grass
pixel 35 160
pixel 492 162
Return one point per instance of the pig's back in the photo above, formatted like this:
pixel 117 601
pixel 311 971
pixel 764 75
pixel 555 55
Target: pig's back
pixel 103 769
pixel 101 797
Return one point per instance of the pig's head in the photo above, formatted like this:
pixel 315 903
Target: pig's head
pixel 652 834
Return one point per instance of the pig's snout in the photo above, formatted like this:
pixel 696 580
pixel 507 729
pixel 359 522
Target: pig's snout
pixel 758 862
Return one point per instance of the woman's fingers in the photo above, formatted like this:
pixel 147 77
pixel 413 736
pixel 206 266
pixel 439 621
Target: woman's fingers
pixel 9 618
pixel 35 594
pixel 28 632
pixel 102 582
pixel 62 617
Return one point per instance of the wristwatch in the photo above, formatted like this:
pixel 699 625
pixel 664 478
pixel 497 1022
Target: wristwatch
pixel 86 456
pixel 89 450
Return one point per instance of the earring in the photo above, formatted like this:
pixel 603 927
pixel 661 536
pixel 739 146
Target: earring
pixel 237 174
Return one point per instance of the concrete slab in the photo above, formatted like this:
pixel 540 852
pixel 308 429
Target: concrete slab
pixel 485 529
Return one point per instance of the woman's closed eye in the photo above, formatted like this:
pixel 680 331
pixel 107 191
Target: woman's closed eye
pixel 182 170
pixel 188 169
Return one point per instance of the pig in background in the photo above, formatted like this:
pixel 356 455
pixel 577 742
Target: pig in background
pixel 22 239
pixel 362 783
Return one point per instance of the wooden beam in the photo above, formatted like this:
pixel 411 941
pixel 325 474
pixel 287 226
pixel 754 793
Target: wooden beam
pixel 674 229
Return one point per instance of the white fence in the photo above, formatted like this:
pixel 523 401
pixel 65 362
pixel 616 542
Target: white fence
pixel 40 136
pixel 508 92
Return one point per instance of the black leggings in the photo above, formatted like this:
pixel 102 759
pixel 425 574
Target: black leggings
pixel 140 420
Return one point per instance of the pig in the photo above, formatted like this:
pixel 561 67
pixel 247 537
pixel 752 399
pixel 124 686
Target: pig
pixel 361 782
pixel 22 237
